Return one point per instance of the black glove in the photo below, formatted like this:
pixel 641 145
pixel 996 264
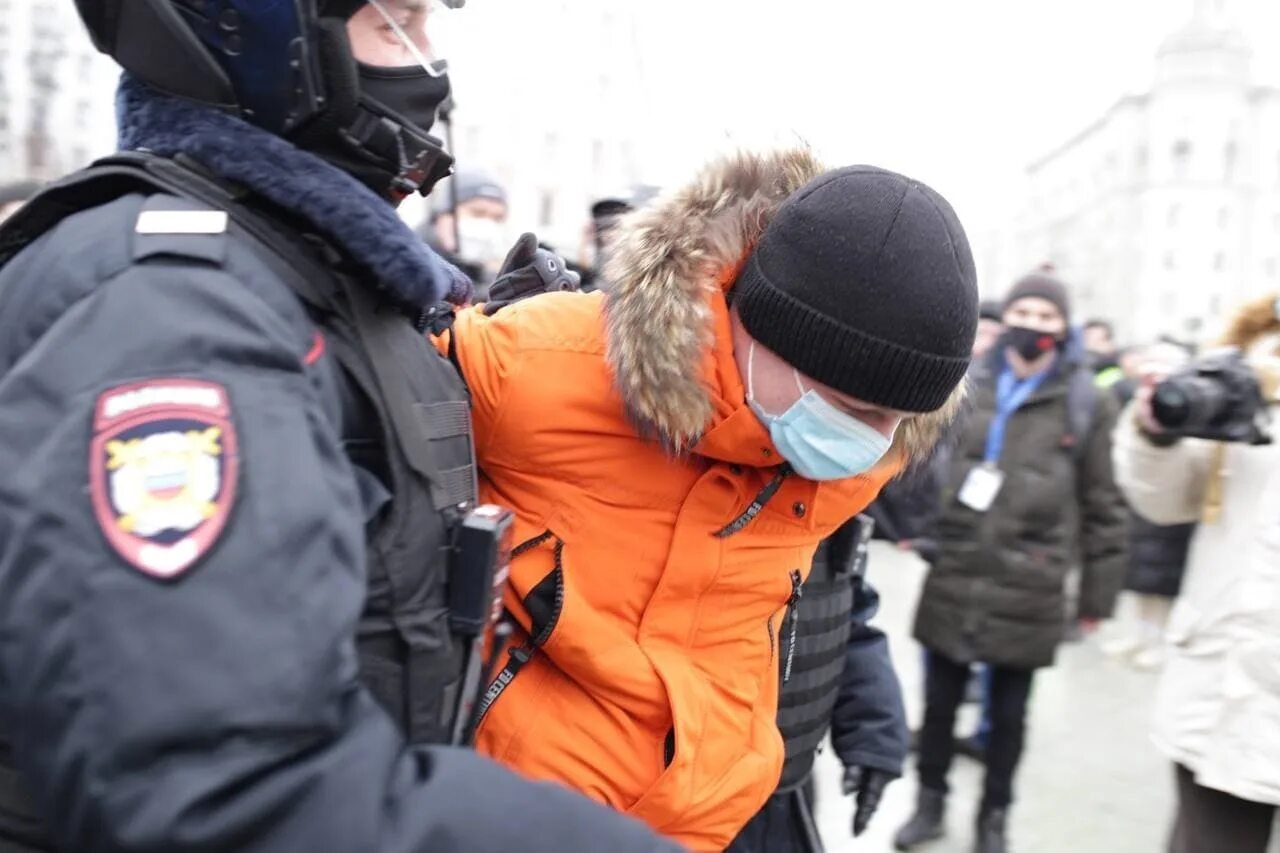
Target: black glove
pixel 869 784
pixel 528 271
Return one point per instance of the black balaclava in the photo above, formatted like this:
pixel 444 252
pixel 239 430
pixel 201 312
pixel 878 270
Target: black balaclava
pixel 377 126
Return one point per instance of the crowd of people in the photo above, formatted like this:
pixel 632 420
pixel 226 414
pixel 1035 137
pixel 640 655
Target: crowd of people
pixel 397 538
pixel 1062 466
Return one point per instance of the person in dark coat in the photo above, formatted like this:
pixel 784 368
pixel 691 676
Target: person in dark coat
pixel 224 536
pixel 1157 561
pixel 907 509
pixel 841 680
pixel 1030 487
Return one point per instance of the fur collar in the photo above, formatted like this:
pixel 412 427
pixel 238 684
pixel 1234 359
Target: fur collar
pixel 348 214
pixel 670 260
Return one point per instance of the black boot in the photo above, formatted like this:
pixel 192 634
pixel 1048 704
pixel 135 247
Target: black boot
pixel 926 823
pixel 991 836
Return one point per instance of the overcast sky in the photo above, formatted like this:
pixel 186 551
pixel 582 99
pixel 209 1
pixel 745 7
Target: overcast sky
pixel 959 94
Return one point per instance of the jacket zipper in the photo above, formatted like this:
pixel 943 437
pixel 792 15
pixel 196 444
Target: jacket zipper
pixel 797 590
pixel 520 655
pixel 772 638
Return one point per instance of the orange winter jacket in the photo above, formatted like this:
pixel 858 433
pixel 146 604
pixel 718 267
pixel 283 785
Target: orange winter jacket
pixel 662 546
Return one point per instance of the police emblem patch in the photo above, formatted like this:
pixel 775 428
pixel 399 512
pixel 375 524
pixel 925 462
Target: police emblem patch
pixel 162 471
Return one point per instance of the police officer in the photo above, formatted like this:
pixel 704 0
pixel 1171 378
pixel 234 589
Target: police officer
pixel 233 467
pixel 841 680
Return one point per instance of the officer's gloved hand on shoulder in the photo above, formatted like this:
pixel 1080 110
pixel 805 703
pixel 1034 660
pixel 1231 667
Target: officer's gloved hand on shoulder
pixel 528 271
pixel 868 784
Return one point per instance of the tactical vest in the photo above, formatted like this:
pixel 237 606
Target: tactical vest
pixel 420 451
pixel 808 698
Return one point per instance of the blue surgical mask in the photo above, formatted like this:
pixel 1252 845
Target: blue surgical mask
pixel 820 441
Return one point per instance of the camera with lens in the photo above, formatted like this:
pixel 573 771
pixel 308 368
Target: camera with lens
pixel 1217 397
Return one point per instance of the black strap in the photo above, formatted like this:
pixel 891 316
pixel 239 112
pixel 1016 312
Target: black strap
pixel 420 424
pixel 379 326
pixel 1082 402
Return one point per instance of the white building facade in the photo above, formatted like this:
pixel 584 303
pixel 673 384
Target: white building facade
pixel 551 101
pixel 56 92
pixel 1165 213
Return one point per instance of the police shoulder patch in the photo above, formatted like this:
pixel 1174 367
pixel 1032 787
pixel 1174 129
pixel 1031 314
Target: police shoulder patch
pixel 162 471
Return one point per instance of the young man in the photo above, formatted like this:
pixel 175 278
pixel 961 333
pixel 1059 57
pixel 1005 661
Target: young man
pixel 1029 488
pixel 223 569
pixel 775 342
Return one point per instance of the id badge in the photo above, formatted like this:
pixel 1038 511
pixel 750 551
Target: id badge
pixel 981 487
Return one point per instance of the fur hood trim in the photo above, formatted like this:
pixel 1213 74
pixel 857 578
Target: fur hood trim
pixel 670 261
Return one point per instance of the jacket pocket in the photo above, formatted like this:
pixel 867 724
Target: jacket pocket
pixel 792 621
pixel 543 604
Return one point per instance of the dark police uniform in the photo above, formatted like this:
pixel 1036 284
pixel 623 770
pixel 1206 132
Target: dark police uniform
pixel 842 681
pixel 223 554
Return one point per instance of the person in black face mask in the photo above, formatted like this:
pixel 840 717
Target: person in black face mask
pixel 385 117
pixel 1028 492
pixel 1036 316
pixel 245 610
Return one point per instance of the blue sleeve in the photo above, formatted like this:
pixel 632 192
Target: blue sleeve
pixel 869 725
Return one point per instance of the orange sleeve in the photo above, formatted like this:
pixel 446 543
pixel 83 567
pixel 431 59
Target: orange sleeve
pixel 486 349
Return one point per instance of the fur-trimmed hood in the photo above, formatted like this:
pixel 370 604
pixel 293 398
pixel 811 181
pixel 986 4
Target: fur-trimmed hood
pixel 672 261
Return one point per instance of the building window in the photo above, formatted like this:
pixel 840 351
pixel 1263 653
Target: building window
pixel 1220 262
pixel 1224 217
pixel 1169 261
pixel 1230 159
pixel 1215 305
pixel 1175 211
pixel 1269 267
pixel 1181 158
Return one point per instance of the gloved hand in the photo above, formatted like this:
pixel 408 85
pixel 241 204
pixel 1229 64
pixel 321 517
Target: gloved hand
pixel 869 784
pixel 528 271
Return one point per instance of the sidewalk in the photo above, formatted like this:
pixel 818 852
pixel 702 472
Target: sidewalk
pixel 1090 781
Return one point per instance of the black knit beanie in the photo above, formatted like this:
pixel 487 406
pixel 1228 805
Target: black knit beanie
pixel 1041 284
pixel 864 281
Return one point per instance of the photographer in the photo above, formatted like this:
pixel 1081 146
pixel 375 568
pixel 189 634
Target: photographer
pixel 1219 697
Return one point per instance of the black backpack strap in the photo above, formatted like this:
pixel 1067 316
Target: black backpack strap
pixel 95 186
pixel 1082 403
pixel 442 427
pixel 427 432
